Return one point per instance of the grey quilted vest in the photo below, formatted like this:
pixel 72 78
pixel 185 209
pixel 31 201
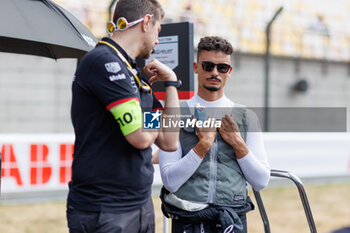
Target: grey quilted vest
pixel 219 179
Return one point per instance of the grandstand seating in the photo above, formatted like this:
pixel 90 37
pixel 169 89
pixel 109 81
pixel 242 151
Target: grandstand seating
pixel 243 22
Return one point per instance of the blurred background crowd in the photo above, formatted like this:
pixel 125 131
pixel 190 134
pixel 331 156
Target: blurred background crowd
pixel 307 28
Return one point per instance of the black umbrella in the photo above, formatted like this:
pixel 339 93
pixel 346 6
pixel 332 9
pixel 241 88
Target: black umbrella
pixel 42 28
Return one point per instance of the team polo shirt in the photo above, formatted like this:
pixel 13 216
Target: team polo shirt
pixel 108 173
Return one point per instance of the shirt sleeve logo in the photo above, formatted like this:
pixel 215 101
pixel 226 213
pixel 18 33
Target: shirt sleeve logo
pixel 113 67
pixel 117 77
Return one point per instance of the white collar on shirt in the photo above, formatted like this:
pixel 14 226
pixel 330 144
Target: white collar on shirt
pixel 220 103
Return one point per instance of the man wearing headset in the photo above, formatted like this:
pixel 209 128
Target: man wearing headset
pixel 112 172
pixel 205 178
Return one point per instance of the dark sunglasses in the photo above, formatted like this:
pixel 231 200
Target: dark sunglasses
pixel 209 66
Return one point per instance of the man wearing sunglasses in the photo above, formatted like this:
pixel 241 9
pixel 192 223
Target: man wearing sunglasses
pixel 112 169
pixel 205 179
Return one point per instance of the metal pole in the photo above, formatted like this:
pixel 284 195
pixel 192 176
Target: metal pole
pixel 267 69
pixel 165 225
pixel 262 211
pixel 302 194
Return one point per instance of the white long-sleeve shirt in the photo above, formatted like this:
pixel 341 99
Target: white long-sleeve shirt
pixel 177 169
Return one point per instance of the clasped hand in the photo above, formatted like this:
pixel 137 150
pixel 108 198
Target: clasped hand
pixel 230 132
pixel 159 72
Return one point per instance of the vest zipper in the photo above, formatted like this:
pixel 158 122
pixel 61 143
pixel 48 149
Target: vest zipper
pixel 202 228
pixel 213 171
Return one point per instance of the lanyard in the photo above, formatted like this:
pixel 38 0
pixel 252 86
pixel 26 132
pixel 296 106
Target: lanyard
pixel 142 84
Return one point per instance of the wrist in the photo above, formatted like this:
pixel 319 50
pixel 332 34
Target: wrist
pixel 176 84
pixel 201 149
pixel 236 141
pixel 241 149
pixel 172 77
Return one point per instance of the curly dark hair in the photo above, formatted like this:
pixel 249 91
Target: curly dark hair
pixel 214 43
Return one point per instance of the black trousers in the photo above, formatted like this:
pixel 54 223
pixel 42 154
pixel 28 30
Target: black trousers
pixel 137 221
pixel 178 226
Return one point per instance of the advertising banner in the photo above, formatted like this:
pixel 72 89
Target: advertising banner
pixel 42 162
pixel 35 162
